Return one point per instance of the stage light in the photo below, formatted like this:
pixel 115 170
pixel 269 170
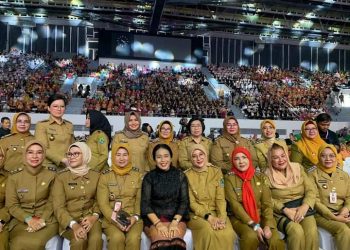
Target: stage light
pixel 164 54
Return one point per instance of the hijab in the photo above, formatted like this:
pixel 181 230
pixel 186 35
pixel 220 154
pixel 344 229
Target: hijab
pixel 201 148
pixel 82 169
pixel 30 169
pixel 269 141
pixel 115 167
pixel 98 121
pixel 309 147
pixel 319 164
pixel 233 138
pixel 14 122
pixel 277 178
pixel 127 131
pixel 171 137
pixel 248 197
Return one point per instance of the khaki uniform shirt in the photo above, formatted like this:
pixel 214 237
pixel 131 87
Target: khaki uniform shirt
pixel 138 147
pixel 221 152
pixel 174 148
pixel 56 139
pixel 4 214
pixel 185 144
pixel 74 197
pixel 233 192
pixel 325 184
pixel 298 156
pixel 206 190
pixel 13 146
pixel 304 189
pixel 29 195
pixel 261 149
pixel 98 143
pixel 126 189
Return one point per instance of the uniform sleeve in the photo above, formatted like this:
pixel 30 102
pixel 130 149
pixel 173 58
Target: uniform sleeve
pixel 310 192
pixel 276 204
pixel 59 202
pixel 266 205
pixel 138 198
pixel 220 201
pixel 184 162
pixel 150 161
pixel 296 155
pixel 347 198
pixel 4 213
pixel 321 208
pixel 252 151
pixel 216 157
pixel 102 149
pixel 261 158
pixel 12 201
pixel 103 198
pixel 195 207
pixel 236 206
pixel 48 210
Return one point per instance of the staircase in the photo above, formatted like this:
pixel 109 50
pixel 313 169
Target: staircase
pixel 75 106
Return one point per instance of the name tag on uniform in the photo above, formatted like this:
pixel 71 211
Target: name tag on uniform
pixel 23 190
pixel 322 181
pixel 112 184
pixel 333 197
pixel 72 183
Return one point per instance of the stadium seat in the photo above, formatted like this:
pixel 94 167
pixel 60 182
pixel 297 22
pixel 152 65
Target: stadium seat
pixel 55 243
pixel 66 243
pixel 146 243
pixel 326 239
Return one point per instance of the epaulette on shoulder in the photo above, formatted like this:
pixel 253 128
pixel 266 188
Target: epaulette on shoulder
pixel 118 132
pixel 258 141
pixel 155 140
pixel 340 169
pixel 187 170
pixel 257 171
pixel 5 136
pixel 46 120
pixel 310 170
pixel 106 171
pixel 61 171
pixel 94 170
pixel 18 170
pixel 218 138
pixel 135 169
pixel 53 169
pixel 67 121
pixel 230 173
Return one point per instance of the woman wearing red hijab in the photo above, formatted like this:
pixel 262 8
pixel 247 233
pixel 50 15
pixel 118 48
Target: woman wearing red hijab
pixel 250 203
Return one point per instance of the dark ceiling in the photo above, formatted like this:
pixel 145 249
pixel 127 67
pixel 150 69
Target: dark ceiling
pixel 317 20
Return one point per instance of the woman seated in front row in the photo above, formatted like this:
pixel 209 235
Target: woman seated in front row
pixel 74 200
pixel 250 202
pixel 29 202
pixel 333 196
pixel 293 198
pixel 164 202
pixel 121 186
pixel 209 223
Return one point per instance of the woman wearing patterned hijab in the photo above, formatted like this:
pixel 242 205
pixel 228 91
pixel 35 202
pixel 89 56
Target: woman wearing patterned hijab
pixel 137 140
pixel 74 199
pixel 121 185
pixel 99 139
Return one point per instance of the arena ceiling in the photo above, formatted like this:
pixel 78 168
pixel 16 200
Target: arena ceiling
pixel 314 20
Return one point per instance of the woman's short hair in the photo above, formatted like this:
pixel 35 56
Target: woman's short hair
pixel 56 97
pixel 196 119
pixel 159 146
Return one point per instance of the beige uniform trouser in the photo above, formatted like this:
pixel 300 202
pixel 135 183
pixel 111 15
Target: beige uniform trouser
pixel 248 239
pixel 300 236
pixel 20 239
pixel 93 241
pixel 119 240
pixel 4 239
pixel 339 230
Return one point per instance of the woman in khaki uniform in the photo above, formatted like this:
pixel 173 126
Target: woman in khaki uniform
pixel 137 140
pixel 165 134
pixel 250 202
pixel 4 214
pixel 333 196
pixel 55 133
pixel 74 200
pixel 29 202
pixel 211 228
pixel 305 150
pixel 13 144
pixel 268 134
pixel 122 183
pixel 196 127
pixel 223 146
pixel 99 139
pixel 293 198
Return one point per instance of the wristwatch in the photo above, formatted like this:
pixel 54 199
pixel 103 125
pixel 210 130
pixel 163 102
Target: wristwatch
pixel 254 226
pixel 2 222
pixel 207 216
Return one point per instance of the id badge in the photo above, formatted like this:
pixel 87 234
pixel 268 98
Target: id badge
pixel 117 206
pixel 333 197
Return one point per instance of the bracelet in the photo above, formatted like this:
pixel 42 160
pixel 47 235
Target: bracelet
pixel 2 222
pixel 27 219
pixel 136 217
pixel 155 224
pixel 97 215
pixel 176 219
pixel 254 226
pixel 206 217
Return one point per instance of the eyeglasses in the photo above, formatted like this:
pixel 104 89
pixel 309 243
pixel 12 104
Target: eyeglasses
pixel 165 129
pixel 73 155
pixel 330 156
pixel 310 129
pixel 22 122
pixel 232 125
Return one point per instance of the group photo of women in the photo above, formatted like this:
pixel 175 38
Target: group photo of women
pixel 109 190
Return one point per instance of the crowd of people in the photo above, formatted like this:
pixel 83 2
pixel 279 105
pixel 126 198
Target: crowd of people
pixel 227 190
pixel 274 93
pixel 158 92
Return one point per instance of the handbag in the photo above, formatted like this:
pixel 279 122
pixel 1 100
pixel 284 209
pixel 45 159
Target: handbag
pixel 298 203
pixel 119 216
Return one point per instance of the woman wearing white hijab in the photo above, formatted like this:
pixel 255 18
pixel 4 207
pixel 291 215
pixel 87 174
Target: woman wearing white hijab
pixel 74 199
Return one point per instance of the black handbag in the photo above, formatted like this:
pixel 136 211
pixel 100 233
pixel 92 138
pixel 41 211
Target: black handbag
pixel 298 203
pixel 120 217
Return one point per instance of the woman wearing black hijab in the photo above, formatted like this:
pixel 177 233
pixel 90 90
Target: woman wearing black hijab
pixel 99 139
